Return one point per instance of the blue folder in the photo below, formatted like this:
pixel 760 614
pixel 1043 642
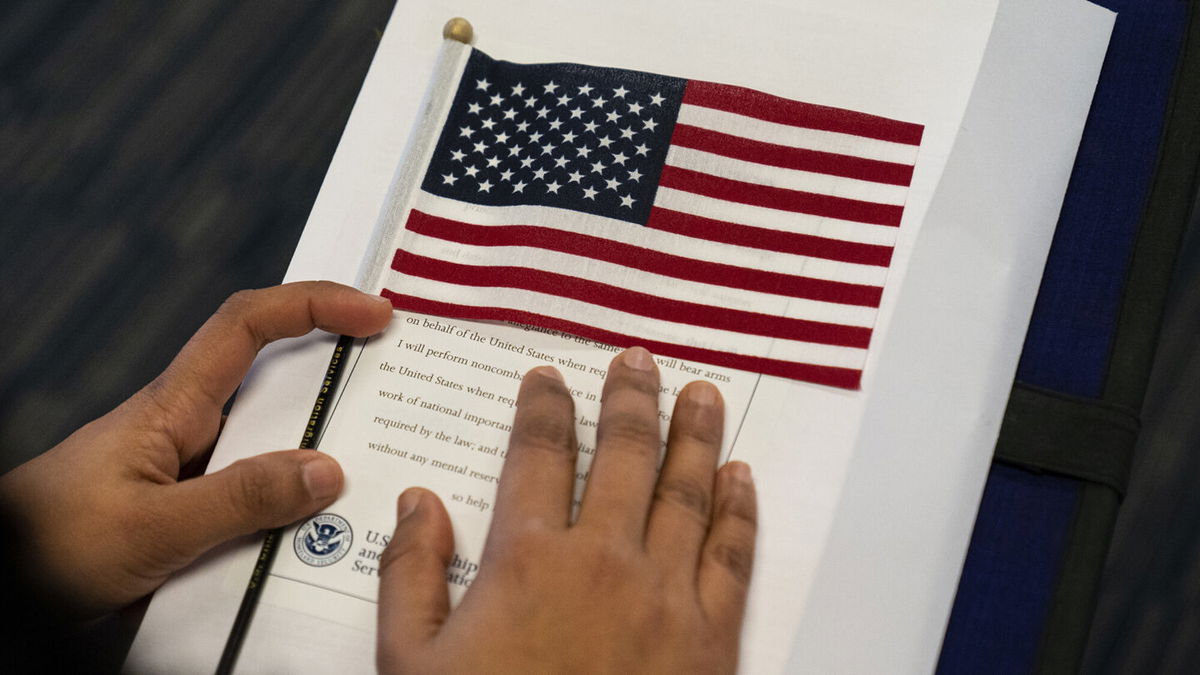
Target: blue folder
pixel 1028 588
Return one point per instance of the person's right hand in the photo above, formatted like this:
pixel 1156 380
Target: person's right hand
pixel 652 577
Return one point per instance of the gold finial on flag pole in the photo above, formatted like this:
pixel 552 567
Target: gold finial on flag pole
pixel 459 30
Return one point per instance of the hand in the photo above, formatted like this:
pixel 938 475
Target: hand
pixel 652 577
pixel 107 516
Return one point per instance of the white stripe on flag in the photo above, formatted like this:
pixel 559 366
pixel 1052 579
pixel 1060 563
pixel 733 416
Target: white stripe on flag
pixel 641 281
pixel 791 179
pixel 635 235
pixel 797 137
pixel 622 322
pixel 775 219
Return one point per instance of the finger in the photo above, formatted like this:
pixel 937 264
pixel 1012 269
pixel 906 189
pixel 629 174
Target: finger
pixel 258 493
pixel 682 509
pixel 621 482
pixel 413 597
pixel 728 555
pixel 205 373
pixel 538 479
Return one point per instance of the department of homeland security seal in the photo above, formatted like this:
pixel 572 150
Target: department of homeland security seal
pixel 323 540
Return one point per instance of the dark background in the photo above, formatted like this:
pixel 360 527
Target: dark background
pixel 156 157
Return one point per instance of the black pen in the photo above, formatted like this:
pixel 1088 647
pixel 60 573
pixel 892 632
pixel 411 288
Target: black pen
pixel 258 577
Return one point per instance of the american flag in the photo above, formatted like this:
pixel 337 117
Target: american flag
pixel 703 221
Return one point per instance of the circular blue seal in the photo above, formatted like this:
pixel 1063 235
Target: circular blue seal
pixel 323 540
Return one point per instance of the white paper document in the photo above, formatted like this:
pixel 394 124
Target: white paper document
pixel 430 403
pixel 866 497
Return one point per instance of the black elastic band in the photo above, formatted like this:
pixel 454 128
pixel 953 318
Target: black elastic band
pixel 1083 438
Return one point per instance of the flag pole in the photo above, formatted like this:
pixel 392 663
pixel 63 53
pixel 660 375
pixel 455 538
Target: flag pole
pixel 443 84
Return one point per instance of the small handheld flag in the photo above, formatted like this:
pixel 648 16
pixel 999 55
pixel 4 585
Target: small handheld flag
pixel 704 221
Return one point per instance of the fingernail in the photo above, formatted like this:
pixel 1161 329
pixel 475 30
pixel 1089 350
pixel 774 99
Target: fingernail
pixel 702 393
pixel 322 477
pixel 740 472
pixel 407 503
pixel 638 358
pixel 379 298
pixel 549 371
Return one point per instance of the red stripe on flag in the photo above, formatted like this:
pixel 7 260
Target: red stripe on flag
pixel 710 229
pixel 799 159
pixel 626 255
pixel 846 378
pixel 780 198
pixel 631 302
pixel 780 110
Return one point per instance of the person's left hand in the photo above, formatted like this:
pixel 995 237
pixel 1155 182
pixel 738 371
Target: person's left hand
pixel 109 518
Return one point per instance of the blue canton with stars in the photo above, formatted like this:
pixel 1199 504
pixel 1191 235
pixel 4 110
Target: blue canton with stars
pixel 565 135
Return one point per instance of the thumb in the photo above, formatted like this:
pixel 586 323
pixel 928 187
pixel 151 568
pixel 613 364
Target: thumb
pixel 413 597
pixel 257 493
